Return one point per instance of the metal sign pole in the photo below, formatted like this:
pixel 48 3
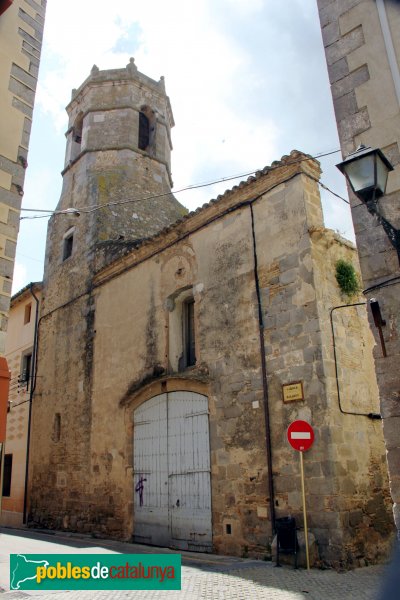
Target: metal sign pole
pixel 304 510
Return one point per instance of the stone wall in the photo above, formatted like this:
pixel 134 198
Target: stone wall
pixel 363 55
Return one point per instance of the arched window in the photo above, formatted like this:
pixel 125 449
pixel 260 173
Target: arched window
pixel 182 329
pixel 144 131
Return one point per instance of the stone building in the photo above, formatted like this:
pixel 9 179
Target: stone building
pixel 19 352
pixel 21 31
pixel 362 47
pixel 167 342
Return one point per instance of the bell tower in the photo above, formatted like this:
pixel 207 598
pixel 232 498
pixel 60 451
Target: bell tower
pixel 117 172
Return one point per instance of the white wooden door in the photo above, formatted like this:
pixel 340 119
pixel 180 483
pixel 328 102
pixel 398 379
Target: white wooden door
pixel 172 472
pixel 150 450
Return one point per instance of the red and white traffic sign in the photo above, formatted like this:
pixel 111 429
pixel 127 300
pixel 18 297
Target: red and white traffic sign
pixel 300 435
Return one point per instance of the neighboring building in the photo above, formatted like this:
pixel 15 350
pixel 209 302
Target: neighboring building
pixel 362 46
pixel 21 29
pixel 153 416
pixel 20 354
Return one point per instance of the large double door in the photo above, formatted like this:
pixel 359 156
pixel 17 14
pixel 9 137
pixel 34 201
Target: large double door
pixel 172 472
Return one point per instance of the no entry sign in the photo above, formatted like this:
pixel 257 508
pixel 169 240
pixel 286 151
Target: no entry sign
pixel 300 435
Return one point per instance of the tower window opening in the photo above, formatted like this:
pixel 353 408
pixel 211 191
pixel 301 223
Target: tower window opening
pixel 68 244
pixel 144 131
pixel 77 137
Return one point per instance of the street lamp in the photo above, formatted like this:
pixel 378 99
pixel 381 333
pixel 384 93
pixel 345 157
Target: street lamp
pixel 367 172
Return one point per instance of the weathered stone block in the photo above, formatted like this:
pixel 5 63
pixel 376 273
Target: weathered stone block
pixel 338 70
pixel 23 76
pixel 349 83
pixel 355 518
pixel 393 459
pixel 345 106
pixel 346 44
pixel 391 428
pixel 289 262
pixel 354 124
pixel 330 33
pixel 21 90
pixel 395 487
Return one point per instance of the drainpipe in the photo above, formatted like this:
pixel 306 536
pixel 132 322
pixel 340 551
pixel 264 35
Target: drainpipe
pixel 264 377
pixel 4 389
pixel 31 391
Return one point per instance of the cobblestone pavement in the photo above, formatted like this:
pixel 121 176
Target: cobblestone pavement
pixel 205 577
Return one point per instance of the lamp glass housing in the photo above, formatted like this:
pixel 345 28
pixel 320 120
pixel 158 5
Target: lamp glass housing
pixel 381 175
pixel 361 173
pixel 367 172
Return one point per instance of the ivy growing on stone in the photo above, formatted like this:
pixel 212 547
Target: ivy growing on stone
pixel 347 278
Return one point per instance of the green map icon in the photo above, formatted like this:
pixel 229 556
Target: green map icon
pixel 24 569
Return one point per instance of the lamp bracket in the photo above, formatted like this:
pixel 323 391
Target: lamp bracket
pixel 392 233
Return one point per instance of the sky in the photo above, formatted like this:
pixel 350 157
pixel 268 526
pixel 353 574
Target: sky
pixel 247 81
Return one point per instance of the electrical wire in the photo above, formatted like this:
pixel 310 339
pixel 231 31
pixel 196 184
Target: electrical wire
pixel 386 283
pixel 184 189
pixel 325 187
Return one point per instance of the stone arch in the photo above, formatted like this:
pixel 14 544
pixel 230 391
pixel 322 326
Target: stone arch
pixel 148 391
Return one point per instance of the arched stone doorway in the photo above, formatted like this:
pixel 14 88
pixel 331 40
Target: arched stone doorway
pixel 171 460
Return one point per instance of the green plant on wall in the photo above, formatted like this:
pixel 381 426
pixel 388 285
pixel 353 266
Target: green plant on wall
pixel 347 278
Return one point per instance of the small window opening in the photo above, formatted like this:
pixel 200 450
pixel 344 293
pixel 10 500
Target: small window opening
pixel 144 131
pixel 189 334
pixel 68 245
pixel 229 529
pixel 27 313
pixel 7 475
pixel 26 372
pixel 57 427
